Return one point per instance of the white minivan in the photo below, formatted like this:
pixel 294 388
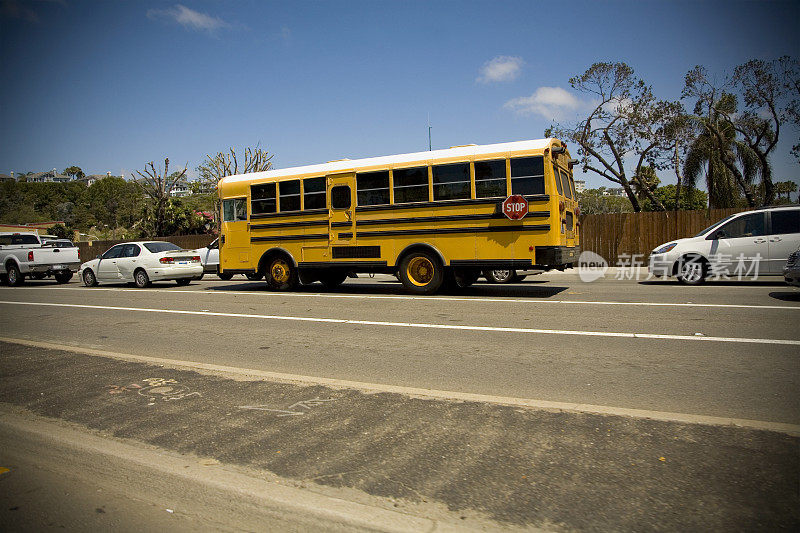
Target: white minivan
pixel 749 244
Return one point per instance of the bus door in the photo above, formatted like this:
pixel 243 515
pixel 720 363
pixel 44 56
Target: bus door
pixel 341 210
pixel 234 249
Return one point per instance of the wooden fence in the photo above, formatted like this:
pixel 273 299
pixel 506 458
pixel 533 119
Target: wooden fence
pixel 613 234
pixel 187 242
pixel 608 234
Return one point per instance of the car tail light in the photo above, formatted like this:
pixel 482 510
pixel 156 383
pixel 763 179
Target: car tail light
pixel 30 255
pixel 79 255
pixel 196 259
pixel 166 260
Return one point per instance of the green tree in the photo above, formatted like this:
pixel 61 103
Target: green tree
pixel 627 121
pixel 596 201
pixel 157 184
pixel 693 199
pixel 74 171
pixel 728 165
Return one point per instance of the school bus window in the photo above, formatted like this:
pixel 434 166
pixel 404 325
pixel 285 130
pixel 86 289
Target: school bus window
pixel 527 175
pixel 340 197
pixel 557 177
pixel 565 183
pixel 263 196
pixel 290 195
pixel 570 220
pixel 451 182
pixel 314 193
pixel 234 210
pixel 572 187
pixel 373 188
pixel 411 185
pixel 490 178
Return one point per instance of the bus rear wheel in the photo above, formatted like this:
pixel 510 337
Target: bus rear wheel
pixel 421 272
pixel 281 275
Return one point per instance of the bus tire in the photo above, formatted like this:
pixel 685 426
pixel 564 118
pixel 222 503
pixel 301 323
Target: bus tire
pixel 281 274
pixel 332 279
pixel 225 276
pixel 421 272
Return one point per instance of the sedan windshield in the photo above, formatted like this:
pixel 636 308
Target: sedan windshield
pixel 156 247
pixel 714 225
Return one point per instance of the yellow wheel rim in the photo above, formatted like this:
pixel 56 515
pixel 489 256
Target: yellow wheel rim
pixel 420 271
pixel 280 271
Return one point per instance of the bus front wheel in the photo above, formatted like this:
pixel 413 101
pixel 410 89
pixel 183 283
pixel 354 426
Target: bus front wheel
pixel 281 275
pixel 421 272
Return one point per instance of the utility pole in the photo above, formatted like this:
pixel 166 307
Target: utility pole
pixel 429 132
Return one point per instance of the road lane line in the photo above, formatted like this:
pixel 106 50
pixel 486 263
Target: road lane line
pixel 253 374
pixel 532 300
pixel 497 329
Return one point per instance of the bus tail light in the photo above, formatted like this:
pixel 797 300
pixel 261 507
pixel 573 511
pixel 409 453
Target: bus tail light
pixel 561 206
pixel 166 260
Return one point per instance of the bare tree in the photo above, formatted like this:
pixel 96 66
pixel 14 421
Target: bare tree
pixel 158 185
pixel 227 164
pixel 627 120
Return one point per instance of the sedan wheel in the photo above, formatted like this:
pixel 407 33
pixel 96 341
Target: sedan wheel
pixel 89 278
pixel 141 278
pixel 501 276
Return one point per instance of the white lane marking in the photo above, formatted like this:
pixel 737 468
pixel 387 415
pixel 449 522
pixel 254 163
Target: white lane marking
pixel 255 375
pixel 531 300
pixel 420 325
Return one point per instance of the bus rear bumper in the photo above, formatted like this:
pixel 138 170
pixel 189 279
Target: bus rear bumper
pixel 556 256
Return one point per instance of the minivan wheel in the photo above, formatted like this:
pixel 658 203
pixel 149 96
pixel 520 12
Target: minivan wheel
pixel 692 271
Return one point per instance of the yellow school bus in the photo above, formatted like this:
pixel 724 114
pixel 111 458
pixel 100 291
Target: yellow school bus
pixel 433 218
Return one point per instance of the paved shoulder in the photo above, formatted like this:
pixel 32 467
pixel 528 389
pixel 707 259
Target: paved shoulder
pixel 514 466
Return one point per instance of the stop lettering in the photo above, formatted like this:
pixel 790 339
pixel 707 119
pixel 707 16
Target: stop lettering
pixel 515 207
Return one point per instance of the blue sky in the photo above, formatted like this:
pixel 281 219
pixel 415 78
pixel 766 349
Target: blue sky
pixel 111 85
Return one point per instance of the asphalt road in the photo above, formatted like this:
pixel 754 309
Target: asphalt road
pixel 438 399
pixel 554 338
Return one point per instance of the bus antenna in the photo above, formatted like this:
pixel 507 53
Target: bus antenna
pixel 429 132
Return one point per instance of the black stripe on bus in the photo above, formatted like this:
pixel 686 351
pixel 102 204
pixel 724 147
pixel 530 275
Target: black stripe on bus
pixel 299 237
pixel 446 218
pixel 492 263
pixel 443 231
pixel 305 224
pixel 343 264
pixel 447 203
pixel 307 212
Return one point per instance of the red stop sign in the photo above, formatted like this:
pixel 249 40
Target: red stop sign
pixel 515 207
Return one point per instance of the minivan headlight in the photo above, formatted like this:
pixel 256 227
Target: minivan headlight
pixel 666 248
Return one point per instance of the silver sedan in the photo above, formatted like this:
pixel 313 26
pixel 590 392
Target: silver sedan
pixel 142 262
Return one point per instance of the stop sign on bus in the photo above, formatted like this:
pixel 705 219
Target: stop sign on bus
pixel 515 207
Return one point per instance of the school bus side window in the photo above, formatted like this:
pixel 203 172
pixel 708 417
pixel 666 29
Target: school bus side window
pixel 490 178
pixel 263 198
pixel 451 182
pixel 290 195
pixel 314 193
pixel 527 175
pixel 234 210
pixel 373 188
pixel 411 185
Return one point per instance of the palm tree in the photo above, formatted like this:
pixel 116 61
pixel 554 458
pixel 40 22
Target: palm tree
pixel 705 158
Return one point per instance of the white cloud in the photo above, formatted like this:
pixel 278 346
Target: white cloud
pixel 552 103
pixel 501 68
pixel 189 18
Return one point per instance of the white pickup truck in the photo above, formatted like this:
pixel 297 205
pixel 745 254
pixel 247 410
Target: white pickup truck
pixel 23 255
